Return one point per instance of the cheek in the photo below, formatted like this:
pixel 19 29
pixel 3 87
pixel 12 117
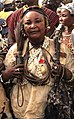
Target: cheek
pixel 67 21
pixel 43 28
pixel 26 28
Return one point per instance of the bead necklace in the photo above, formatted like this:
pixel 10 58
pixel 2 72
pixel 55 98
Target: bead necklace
pixel 36 60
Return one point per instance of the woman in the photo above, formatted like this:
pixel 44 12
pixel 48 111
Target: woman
pixel 33 70
pixel 66 17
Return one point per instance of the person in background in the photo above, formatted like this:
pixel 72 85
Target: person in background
pixel 4 104
pixel 3 38
pixel 31 66
pixel 13 20
pixel 66 1
pixel 51 4
pixel 8 9
pixel 19 4
pixel 9 5
pixel 66 17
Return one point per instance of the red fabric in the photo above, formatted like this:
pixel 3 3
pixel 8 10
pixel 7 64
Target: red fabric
pixel 13 19
pixel 52 17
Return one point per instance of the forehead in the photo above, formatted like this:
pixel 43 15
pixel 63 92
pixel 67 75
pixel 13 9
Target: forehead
pixel 65 11
pixel 33 15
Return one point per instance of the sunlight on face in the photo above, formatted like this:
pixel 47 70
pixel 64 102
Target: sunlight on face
pixel 34 25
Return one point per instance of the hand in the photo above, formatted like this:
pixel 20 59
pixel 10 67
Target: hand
pixel 56 70
pixel 13 72
pixel 61 71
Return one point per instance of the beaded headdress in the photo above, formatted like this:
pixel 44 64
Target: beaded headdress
pixel 37 9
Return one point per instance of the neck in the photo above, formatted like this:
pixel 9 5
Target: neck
pixel 37 44
pixel 69 29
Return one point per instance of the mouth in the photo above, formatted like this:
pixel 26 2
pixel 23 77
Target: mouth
pixel 34 31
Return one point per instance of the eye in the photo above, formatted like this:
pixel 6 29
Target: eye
pixel 27 22
pixel 38 20
pixel 64 15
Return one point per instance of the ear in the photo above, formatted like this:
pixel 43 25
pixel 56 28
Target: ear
pixel 47 29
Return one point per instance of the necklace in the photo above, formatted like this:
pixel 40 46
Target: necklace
pixel 36 61
pixel 66 39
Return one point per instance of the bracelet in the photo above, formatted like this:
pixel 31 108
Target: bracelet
pixel 2 81
pixel 1 78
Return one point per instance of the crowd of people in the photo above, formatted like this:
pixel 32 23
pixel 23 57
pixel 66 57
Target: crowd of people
pixel 36 59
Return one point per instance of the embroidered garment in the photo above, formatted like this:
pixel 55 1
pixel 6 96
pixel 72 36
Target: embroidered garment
pixel 35 96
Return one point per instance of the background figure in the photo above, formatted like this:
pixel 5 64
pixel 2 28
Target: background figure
pixel 32 68
pixel 19 4
pixel 51 4
pixel 7 9
pixel 3 37
pixel 66 17
pixel 4 104
pixel 8 5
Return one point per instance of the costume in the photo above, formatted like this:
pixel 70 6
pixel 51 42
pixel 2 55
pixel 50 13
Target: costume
pixel 35 96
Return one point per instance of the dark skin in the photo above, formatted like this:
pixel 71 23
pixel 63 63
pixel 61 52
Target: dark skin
pixel 12 72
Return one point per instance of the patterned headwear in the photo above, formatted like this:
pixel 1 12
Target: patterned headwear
pixel 37 9
pixel 69 7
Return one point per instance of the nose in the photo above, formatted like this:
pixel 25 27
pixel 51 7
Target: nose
pixel 60 18
pixel 33 25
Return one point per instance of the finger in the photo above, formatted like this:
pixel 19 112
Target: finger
pixel 19 66
pixel 18 76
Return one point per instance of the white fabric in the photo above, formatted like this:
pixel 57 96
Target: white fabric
pixel 69 7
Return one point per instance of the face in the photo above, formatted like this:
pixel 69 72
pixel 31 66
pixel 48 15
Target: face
pixel 66 1
pixel 58 11
pixel 65 18
pixel 34 25
pixel 58 2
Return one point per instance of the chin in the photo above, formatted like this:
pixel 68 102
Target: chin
pixel 37 43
